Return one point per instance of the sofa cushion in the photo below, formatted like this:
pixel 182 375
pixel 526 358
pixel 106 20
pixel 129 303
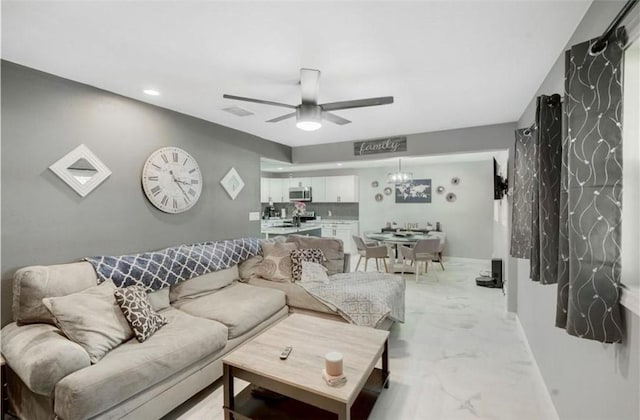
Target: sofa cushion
pixel 248 269
pixel 159 299
pixel 34 283
pixel 133 367
pixel 203 284
pixel 91 318
pixel 41 355
pixel 135 306
pixel 276 265
pixel 333 250
pixel 240 306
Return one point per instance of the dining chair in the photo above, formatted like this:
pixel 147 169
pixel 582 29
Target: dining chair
pixel 442 236
pixel 367 252
pixel 423 251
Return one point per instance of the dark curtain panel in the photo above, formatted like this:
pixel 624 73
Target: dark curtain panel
pixel 563 239
pixel 594 161
pixel 524 175
pixel 545 206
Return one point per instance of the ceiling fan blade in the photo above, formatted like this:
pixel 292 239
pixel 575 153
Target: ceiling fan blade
pixel 335 119
pixel 258 101
pixel 357 103
pixel 282 117
pixel 309 85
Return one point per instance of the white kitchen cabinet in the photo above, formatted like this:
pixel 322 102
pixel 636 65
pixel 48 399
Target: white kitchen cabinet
pixel 318 193
pixel 299 182
pixel 279 190
pixel 264 190
pixel 343 231
pixel 341 189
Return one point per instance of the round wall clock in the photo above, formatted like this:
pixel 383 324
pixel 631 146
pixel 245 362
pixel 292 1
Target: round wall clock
pixel 171 180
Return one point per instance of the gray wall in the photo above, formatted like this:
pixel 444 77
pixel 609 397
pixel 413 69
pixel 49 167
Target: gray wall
pixel 586 379
pixel 472 139
pixel 45 222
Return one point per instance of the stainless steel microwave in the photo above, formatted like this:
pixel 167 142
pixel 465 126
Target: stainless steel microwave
pixel 300 194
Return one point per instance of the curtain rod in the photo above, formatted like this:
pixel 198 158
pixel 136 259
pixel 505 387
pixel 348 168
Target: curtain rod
pixel 600 43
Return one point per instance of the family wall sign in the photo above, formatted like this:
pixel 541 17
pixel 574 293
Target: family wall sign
pixel 387 145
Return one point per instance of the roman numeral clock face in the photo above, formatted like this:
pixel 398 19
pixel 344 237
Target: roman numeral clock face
pixel 171 179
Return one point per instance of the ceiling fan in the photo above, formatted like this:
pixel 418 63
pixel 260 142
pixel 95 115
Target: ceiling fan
pixel 309 114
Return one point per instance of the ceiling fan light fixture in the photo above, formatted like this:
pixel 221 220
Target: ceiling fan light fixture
pixel 308 117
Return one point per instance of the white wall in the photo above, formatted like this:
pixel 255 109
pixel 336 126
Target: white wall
pixel 467 221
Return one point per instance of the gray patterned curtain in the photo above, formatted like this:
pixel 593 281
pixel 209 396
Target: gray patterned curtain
pixel 588 298
pixel 545 205
pixel 524 175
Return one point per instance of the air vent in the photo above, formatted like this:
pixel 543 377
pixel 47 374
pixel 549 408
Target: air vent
pixel 237 111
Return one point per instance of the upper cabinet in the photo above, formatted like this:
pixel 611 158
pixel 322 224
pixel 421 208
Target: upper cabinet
pixel 264 190
pixel 324 189
pixel 341 189
pixel 299 182
pixel 318 190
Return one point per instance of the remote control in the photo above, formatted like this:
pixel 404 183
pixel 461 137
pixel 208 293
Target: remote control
pixel 285 353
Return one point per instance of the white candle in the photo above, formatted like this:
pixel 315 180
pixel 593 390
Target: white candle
pixel 333 363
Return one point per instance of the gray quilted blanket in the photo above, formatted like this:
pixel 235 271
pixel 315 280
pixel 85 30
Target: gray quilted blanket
pixel 362 298
pixel 158 269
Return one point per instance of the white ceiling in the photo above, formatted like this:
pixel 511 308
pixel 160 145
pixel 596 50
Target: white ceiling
pixel 448 64
pixel 274 166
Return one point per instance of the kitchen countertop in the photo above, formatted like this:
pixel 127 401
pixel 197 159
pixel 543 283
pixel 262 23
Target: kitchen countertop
pixel 305 227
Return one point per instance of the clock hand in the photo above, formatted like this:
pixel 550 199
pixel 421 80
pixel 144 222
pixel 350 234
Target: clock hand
pixel 178 183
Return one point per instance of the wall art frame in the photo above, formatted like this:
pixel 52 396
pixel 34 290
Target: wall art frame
pixel 85 160
pixel 232 183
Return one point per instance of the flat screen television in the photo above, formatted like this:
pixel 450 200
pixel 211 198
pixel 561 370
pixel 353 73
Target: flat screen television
pixel 500 185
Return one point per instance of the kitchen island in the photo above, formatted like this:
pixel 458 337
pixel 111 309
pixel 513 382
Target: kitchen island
pixel 309 229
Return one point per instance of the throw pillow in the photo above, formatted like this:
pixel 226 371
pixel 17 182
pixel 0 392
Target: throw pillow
pixel 249 269
pixel 299 255
pixel 91 318
pixel 276 265
pixel 135 306
pixel 314 272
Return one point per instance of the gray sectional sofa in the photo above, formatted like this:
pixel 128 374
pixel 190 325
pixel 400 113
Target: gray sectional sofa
pixel 50 376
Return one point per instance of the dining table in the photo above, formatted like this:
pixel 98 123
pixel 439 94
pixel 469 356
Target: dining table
pixel 393 239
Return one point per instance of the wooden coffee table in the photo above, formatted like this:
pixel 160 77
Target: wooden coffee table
pixel 299 378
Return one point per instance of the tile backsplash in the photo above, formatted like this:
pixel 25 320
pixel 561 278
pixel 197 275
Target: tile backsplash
pixel 347 211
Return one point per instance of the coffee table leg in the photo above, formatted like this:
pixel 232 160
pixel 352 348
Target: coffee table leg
pixel 385 363
pixel 227 381
pixel 344 414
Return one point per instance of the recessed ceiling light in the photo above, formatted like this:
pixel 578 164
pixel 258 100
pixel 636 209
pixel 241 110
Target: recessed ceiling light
pixel 151 92
pixel 339 164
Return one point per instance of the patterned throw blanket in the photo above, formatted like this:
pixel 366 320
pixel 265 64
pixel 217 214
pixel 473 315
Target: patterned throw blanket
pixel 158 269
pixel 362 298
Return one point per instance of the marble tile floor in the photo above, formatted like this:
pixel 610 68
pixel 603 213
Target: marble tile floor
pixel 458 356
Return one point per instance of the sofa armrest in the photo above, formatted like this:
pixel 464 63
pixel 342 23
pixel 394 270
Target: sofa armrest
pixel 346 267
pixel 41 356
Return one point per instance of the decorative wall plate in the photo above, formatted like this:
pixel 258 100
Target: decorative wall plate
pixel 81 170
pixel 455 180
pixel 440 189
pixel 388 191
pixel 374 184
pixel 451 197
pixel 379 197
pixel 171 180
pixel 232 183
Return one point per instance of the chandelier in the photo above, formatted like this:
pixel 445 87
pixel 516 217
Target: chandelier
pixel 399 177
